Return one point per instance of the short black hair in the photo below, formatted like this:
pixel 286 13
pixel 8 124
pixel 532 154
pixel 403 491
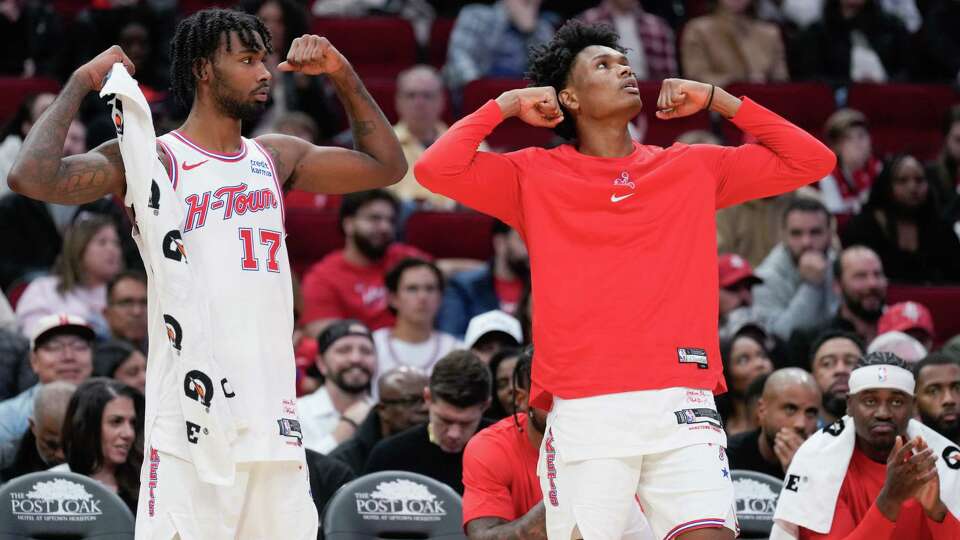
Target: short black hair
pixel 353 202
pixel 135 275
pixel 804 204
pixel 294 15
pixel 109 355
pixel 882 358
pixel 827 335
pixel 551 63
pixel 461 379
pixel 935 359
pixel 197 38
pixel 395 274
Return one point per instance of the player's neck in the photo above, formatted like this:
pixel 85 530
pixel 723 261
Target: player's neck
pixel 212 130
pixel 341 399
pixel 411 331
pixel 610 139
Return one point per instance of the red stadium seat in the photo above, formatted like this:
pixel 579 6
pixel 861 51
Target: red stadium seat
pixel 513 133
pixel 451 234
pixel 376 46
pixel 15 89
pixel 943 302
pixel 904 117
pixel 665 132
pixel 439 39
pixel 807 105
pixel 311 234
pixel 384 92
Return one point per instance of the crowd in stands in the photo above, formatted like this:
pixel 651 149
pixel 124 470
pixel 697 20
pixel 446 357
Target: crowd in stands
pixel 413 342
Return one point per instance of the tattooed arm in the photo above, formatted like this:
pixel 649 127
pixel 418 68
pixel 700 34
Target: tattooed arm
pixel 530 526
pixel 40 170
pixel 377 159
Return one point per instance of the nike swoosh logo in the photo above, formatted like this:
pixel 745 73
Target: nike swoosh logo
pixel 187 166
pixel 614 198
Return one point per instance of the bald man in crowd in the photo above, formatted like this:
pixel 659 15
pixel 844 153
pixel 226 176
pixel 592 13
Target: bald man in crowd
pixel 788 412
pixel 40 447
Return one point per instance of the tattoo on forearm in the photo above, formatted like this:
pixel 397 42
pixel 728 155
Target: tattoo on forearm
pixel 83 181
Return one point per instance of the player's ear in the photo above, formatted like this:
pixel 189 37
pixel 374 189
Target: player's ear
pixel 568 98
pixel 202 69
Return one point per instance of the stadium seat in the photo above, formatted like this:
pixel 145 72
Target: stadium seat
pixel 376 46
pixel 311 234
pixel 943 302
pixel 755 495
pixel 665 132
pixel 451 234
pixel 805 104
pixel 15 89
pixel 439 39
pixel 393 504
pixel 512 134
pixel 62 505
pixel 904 117
pixel 384 92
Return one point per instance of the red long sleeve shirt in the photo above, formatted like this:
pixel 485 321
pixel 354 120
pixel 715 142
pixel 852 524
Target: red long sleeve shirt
pixel 858 518
pixel 623 251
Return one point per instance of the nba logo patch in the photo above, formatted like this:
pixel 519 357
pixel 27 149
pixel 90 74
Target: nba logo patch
pixel 691 417
pixel 882 374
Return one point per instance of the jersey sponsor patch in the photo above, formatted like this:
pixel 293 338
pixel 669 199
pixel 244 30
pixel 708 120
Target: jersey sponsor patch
pixel 290 428
pixel 698 416
pixel 692 355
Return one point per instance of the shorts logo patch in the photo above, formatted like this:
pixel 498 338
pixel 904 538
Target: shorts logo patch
pixel 698 416
pixel 551 456
pixel 688 355
pixel 291 428
pixel 152 485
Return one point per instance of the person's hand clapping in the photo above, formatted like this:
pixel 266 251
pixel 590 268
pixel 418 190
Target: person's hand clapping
pixel 908 470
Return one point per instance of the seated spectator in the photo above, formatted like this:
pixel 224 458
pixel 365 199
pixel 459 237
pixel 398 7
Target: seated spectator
pixel 649 40
pixel 855 41
pixel 911 318
pixel 347 360
pixel 745 357
pixel 40 447
pixel 847 188
pixel 414 292
pixel 942 42
pixel 91 257
pixel 736 300
pixel 15 372
pixel 491 332
pixel 134 37
pixel 400 407
pixel 788 412
pixel 907 348
pixel 103 436
pixel 420 13
pixel 59 351
pixel 943 175
pixel 794 14
pixel 797 289
pixel 902 222
pixel 833 357
pixel 348 283
pixel 753 228
pixel 326 476
pixel 503 400
pixel 16 129
pixel 118 360
pixel 860 283
pixel 30 36
pixel 871 474
pixel 497 285
pixel 938 394
pixel 732 45
pixel 492 40
pixel 906 11
pixel 126 311
pixel 457 396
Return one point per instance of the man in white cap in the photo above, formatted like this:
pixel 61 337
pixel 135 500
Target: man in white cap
pixel 60 350
pixel 490 332
pixel 875 473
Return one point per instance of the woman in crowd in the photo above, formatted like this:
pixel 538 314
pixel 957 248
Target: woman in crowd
pixel 103 436
pixel 732 45
pixel 121 361
pixel 501 367
pixel 90 258
pixel 745 357
pixel 902 222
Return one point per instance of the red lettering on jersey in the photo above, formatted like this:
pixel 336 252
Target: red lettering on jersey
pixel 196 211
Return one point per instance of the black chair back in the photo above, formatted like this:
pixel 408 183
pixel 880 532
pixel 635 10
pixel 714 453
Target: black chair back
pixel 756 496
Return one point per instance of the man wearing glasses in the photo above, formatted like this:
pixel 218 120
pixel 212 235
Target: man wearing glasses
pixel 60 350
pixel 126 311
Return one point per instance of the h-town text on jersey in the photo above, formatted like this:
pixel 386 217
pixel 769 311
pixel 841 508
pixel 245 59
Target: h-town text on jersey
pixel 234 200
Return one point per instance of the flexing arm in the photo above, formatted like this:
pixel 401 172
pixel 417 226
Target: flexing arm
pixel 377 159
pixel 530 526
pixel 40 170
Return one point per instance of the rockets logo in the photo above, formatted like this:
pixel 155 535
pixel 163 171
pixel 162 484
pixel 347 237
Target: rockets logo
pixel 174 332
pixel 951 456
pixel 198 386
pixel 173 246
pixel 118 115
pixel 154 201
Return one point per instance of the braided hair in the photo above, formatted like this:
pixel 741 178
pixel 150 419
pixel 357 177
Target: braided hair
pixel 197 38
pixel 551 63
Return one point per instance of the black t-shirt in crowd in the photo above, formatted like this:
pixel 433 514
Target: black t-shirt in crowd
pixel 412 451
pixel 743 450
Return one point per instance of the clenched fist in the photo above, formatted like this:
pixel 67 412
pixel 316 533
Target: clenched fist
pixel 312 55
pixel 537 106
pixel 95 71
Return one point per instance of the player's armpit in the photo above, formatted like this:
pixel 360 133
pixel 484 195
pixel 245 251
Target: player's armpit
pixel 72 180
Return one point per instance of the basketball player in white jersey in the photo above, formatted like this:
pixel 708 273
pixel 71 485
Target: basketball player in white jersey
pixel 232 190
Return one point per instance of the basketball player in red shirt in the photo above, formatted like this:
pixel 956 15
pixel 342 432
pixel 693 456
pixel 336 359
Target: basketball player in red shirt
pixel 622 243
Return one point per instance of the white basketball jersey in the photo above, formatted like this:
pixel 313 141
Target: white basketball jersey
pixel 234 230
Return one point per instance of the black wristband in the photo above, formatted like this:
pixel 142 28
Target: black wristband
pixel 710 101
pixel 349 421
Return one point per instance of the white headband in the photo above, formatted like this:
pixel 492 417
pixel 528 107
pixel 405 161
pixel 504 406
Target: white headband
pixel 881 376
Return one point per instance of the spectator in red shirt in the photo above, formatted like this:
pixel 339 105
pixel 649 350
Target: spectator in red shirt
pixel 622 242
pixel 938 394
pixel 348 284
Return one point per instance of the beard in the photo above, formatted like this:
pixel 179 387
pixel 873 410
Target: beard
pixel 835 404
pixel 351 387
pixel 369 249
pixel 858 309
pixel 950 430
pixel 232 105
